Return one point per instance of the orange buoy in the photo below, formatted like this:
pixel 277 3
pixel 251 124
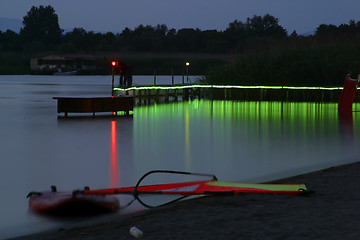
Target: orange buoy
pixel 348 94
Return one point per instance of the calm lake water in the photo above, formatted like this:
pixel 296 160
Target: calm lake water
pixel 236 141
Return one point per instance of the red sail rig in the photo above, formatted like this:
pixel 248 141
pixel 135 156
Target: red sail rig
pixel 47 202
pixel 198 188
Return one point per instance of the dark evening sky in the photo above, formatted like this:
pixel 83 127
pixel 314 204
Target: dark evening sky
pixel 115 15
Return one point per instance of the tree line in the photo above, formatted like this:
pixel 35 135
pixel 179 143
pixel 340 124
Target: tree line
pixel 265 52
pixel 41 32
pixel 322 59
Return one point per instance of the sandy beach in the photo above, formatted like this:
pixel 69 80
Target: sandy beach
pixel 332 212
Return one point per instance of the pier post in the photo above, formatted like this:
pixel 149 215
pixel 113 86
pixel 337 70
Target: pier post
pixel 185 94
pixel 138 95
pixel 154 77
pixel 176 95
pixel 287 95
pixel 183 76
pixel 167 95
pixel 157 95
pixel 112 84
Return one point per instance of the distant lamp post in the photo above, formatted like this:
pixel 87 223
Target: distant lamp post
pixel 187 64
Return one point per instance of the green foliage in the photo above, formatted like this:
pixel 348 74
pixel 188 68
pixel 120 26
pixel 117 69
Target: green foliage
pixel 10 41
pixel 352 28
pixel 317 66
pixel 14 64
pixel 41 25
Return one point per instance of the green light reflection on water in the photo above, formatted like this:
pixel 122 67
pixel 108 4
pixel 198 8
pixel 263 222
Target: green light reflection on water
pixel 179 135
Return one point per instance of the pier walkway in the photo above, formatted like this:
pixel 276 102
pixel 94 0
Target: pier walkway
pixel 225 92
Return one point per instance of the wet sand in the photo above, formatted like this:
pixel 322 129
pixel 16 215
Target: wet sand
pixel 332 212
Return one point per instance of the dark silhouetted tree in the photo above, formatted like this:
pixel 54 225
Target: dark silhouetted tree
pixel 235 34
pixel 265 26
pixel 258 29
pixel 324 29
pixel 189 40
pixel 352 28
pixel 41 24
pixel 10 41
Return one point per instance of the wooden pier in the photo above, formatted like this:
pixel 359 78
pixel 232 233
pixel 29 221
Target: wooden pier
pixel 147 94
pixel 94 104
pixel 166 95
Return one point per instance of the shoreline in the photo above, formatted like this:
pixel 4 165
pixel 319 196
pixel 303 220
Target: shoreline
pixel 330 213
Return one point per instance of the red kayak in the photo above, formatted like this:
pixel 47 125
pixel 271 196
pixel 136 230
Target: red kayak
pixel 67 203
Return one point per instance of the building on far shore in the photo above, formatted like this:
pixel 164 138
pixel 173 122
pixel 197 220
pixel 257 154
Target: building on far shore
pixel 64 64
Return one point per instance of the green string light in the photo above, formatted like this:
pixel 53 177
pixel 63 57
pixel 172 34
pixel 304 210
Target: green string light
pixel 222 86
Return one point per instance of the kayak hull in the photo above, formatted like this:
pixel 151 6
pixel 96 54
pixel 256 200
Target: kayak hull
pixel 71 204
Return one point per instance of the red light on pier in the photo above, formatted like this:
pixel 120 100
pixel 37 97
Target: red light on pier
pixel 114 63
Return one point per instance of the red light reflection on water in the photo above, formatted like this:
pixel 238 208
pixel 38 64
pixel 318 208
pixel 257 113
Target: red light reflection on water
pixel 114 169
pixel 346 125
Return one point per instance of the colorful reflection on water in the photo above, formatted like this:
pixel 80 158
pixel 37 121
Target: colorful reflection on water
pixel 242 140
pixel 114 169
